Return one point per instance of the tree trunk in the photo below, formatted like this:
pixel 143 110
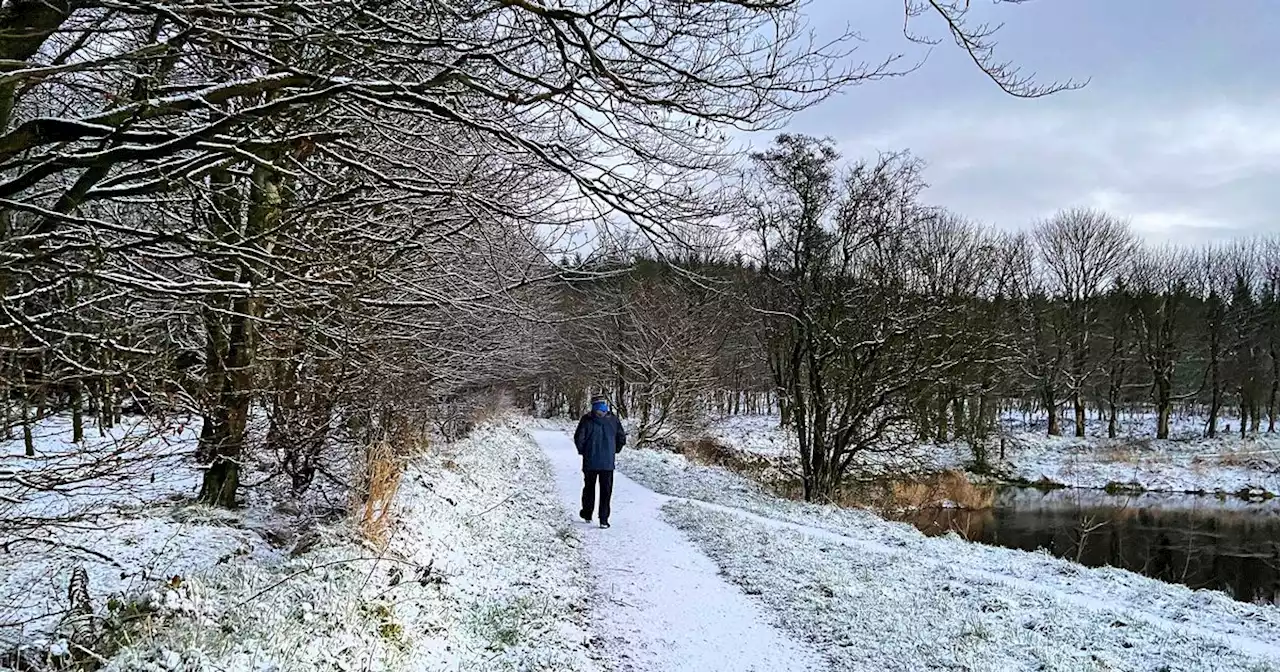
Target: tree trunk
pixel 1164 402
pixel 231 378
pixel 620 395
pixel 1051 405
pixel 106 411
pixel 77 413
pixel 1271 406
pixel 1275 391
pixel 943 413
pixel 42 399
pixel 984 410
pixel 1078 400
pixel 7 410
pixel 221 480
pixel 28 442
pixel 1215 392
pixel 223 446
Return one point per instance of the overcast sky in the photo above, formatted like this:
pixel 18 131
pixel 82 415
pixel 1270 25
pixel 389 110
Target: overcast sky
pixel 1179 128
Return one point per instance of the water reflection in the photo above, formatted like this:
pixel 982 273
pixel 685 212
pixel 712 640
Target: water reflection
pixel 1200 541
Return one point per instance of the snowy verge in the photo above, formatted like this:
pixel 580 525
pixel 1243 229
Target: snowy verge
pixel 117 505
pixel 1248 467
pixel 770 545
pixel 475 576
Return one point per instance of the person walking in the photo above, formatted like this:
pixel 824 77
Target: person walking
pixel 599 438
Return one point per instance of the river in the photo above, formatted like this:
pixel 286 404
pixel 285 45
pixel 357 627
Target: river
pixel 1201 541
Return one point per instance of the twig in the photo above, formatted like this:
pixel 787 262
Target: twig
pixel 32 619
pixel 509 498
pixel 64 544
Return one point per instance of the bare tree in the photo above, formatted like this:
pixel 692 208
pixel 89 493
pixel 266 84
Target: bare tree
pixel 1083 252
pixel 848 335
pixel 1163 303
pixel 1269 307
pixel 954 261
pixel 1037 329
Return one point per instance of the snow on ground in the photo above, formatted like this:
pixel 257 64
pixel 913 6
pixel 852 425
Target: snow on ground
pixel 134 464
pixel 755 434
pixel 661 605
pixel 1187 463
pixel 879 595
pixel 480 573
pixel 1223 464
pixel 106 505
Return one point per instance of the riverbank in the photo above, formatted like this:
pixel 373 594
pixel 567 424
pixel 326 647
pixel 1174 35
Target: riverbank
pixel 1226 465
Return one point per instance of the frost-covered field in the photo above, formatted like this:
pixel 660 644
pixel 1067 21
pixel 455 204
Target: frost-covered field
pixel 1187 463
pixel 880 595
pixel 477 575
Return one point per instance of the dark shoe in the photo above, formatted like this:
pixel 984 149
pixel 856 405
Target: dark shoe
pixel 586 517
pixel 604 525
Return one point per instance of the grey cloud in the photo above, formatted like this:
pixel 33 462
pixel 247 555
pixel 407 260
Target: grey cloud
pixel 1179 129
pixel 1194 172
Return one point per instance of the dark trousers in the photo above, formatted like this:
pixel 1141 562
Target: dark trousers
pixel 589 479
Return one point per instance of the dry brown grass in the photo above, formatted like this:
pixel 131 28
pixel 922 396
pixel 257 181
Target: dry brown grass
pixel 922 492
pixel 489 408
pixel 1127 451
pixel 708 451
pixel 883 496
pixel 384 465
pixel 950 485
pixel 971 525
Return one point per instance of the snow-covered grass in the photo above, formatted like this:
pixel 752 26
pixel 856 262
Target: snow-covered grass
pixel 764 436
pixel 881 595
pixel 477 573
pixel 755 434
pixel 476 576
pixel 1187 463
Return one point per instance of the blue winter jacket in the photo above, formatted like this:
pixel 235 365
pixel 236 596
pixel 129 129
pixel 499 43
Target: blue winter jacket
pixel 599 438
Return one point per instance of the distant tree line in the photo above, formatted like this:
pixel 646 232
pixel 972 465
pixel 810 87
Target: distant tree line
pixel 867 319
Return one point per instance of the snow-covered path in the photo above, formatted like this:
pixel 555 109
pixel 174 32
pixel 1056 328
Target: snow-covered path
pixel 662 604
